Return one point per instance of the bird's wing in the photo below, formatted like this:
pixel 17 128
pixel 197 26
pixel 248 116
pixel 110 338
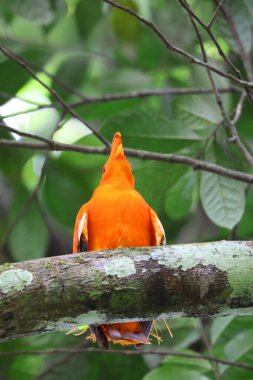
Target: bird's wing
pixel 158 234
pixel 80 240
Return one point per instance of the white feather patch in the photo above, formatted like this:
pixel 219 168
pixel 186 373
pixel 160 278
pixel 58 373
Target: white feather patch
pixel 81 224
pixel 161 227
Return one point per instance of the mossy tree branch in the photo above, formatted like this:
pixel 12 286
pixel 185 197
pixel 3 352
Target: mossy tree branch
pixel 60 292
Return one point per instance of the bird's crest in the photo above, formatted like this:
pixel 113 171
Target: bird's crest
pixel 117 169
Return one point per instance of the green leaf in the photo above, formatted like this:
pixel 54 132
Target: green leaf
pixel 64 32
pixel 11 77
pixel 71 4
pixel 76 186
pixel 149 131
pixel 149 174
pixel 88 162
pixel 237 348
pixel 198 364
pixel 25 368
pixel 239 345
pixel 197 114
pixel 185 333
pixel 16 158
pixel 31 171
pixel 125 28
pixel 72 68
pixel 179 197
pixel 29 239
pixel 37 11
pixel 249 7
pixel 222 198
pixel 166 372
pixel 87 16
pixel 150 58
pixel 239 27
pixel 71 131
pixel 218 326
pixel 27 30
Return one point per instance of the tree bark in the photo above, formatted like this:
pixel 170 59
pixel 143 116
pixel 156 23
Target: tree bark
pixel 191 280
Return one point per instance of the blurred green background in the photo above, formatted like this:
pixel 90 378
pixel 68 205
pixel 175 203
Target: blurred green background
pixel 83 50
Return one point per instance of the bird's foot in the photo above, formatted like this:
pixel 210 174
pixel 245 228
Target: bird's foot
pixel 92 338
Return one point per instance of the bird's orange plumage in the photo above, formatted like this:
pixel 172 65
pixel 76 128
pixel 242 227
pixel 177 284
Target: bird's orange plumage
pixel 117 216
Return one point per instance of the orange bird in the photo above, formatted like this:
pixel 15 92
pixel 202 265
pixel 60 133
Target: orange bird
pixel 117 216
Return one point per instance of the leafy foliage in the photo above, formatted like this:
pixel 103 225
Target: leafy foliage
pixel 83 52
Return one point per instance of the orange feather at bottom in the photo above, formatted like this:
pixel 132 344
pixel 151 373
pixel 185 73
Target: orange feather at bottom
pixel 125 334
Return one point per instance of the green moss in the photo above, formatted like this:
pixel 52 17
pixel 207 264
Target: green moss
pixel 121 300
pixel 80 258
pixel 15 280
pixel 62 262
pixel 5 266
pixel 225 256
pixel 119 266
pixel 48 264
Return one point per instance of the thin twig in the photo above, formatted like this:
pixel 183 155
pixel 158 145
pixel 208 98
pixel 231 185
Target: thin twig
pixel 20 62
pixel 86 100
pixel 209 349
pixel 126 353
pixel 143 155
pixel 122 96
pixel 216 43
pixel 8 95
pixel 25 134
pixel 29 110
pixel 235 137
pixel 58 363
pixel 172 47
pixel 246 57
pixel 209 25
pixel 209 73
pixel 186 6
pixel 239 107
pixel 64 85
pixel 150 92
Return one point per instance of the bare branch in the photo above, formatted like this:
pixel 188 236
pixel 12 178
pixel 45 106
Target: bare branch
pixel 150 92
pixel 209 348
pixel 143 155
pixel 112 351
pixel 25 134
